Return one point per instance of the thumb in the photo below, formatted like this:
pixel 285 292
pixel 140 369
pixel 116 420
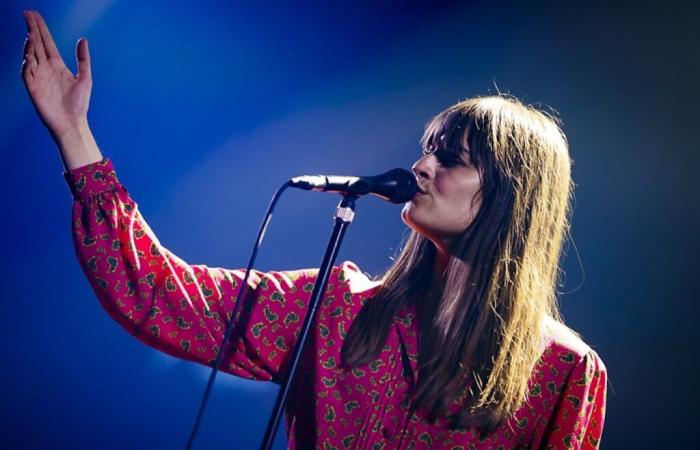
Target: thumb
pixel 83 56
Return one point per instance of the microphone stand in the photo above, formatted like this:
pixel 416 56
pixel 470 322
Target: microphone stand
pixel 344 214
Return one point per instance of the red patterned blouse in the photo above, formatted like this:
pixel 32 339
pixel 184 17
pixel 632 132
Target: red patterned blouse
pixel 183 309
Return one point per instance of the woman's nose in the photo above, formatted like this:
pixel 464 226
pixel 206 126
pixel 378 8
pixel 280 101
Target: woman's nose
pixel 421 168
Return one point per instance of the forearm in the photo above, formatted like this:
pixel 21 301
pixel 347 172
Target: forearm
pixel 78 147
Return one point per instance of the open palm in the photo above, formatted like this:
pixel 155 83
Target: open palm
pixel 60 98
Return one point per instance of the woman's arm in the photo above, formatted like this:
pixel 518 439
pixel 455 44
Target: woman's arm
pixel 578 418
pixel 166 303
pixel 178 308
pixel 60 98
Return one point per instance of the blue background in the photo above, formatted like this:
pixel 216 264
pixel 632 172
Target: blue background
pixel 206 108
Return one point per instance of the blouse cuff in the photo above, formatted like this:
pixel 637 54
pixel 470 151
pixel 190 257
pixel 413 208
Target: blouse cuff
pixel 88 181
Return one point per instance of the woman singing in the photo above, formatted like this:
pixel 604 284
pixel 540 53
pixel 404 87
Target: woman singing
pixel 459 345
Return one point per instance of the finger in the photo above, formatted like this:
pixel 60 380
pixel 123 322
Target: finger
pixel 49 44
pixel 83 55
pixel 24 68
pixel 31 34
pixel 28 65
pixel 31 60
pixel 27 20
pixel 35 37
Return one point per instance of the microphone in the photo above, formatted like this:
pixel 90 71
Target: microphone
pixel 396 185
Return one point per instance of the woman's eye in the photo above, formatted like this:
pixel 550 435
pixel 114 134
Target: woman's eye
pixel 448 160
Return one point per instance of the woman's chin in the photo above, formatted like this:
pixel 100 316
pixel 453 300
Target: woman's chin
pixel 406 214
pixel 408 217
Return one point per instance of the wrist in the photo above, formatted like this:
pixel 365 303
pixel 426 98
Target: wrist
pixel 78 147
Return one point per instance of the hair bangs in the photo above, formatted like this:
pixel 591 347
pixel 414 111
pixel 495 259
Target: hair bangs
pixel 446 132
pixel 451 132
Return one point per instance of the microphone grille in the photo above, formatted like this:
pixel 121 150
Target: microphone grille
pixel 406 185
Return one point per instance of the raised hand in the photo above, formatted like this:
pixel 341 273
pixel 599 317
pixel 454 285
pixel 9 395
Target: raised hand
pixel 60 98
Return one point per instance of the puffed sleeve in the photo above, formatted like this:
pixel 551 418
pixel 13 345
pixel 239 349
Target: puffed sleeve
pixel 579 415
pixel 178 308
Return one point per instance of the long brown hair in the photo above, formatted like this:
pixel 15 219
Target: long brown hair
pixel 500 282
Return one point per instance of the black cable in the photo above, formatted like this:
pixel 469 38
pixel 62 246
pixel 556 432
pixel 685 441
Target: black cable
pixel 230 327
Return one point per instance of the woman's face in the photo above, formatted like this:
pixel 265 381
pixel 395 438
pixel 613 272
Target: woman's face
pixel 443 208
